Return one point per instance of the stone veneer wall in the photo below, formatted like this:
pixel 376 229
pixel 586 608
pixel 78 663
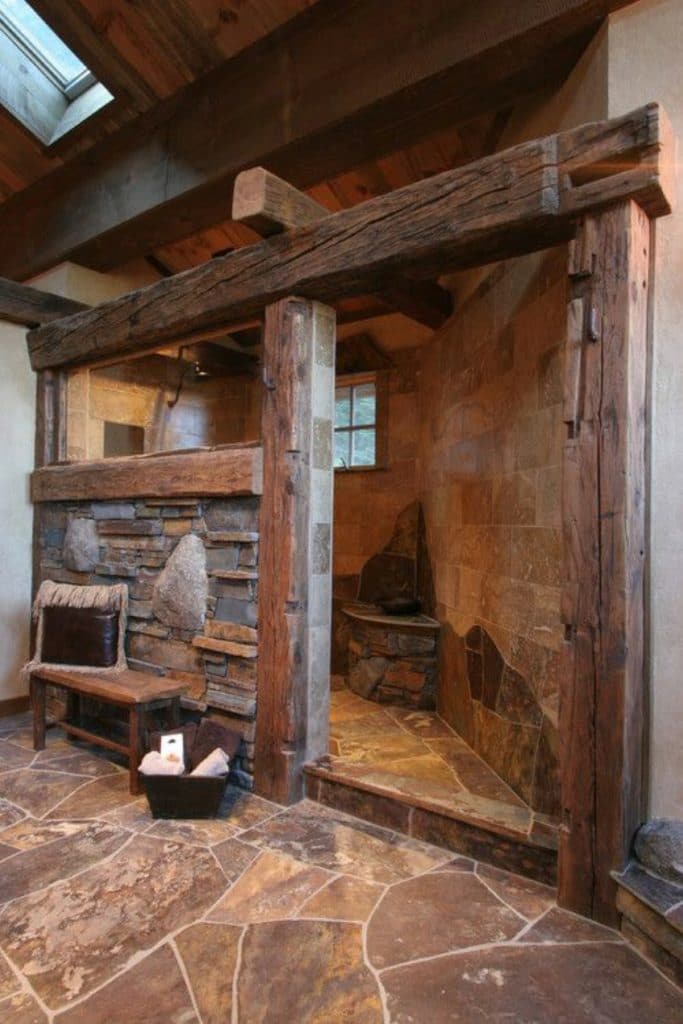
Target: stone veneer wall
pixel 134 540
pixel 491 436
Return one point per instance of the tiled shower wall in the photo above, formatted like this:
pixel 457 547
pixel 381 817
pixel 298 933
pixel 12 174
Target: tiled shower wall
pixel 136 538
pixel 491 436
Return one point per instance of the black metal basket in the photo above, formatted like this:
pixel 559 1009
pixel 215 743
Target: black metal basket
pixel 184 796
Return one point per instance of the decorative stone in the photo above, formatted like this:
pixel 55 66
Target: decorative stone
pixel 81 551
pixel 659 847
pixel 180 593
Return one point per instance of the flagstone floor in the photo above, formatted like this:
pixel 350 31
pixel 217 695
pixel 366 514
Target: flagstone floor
pixel 415 755
pixel 274 916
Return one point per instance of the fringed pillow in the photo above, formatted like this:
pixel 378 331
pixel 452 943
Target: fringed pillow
pixel 81 628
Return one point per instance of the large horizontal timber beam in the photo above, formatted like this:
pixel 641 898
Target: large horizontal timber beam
pixel 269 206
pixel 518 201
pixel 21 304
pixel 313 100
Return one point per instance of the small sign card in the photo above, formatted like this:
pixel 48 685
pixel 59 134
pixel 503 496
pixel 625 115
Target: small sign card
pixel 171 747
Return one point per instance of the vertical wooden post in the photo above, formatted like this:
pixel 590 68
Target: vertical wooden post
pixel 50 446
pixel 602 706
pixel 295 582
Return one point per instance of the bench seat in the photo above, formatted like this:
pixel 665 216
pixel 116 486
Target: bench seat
pixel 135 691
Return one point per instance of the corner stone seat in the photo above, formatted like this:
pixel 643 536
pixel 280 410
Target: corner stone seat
pixel 136 691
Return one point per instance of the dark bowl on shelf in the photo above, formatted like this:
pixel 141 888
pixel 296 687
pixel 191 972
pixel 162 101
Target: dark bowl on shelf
pixel 401 606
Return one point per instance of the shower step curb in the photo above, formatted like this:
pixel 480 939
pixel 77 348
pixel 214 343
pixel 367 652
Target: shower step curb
pixel 532 855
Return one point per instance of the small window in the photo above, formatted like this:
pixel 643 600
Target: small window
pixel 44 84
pixel 355 426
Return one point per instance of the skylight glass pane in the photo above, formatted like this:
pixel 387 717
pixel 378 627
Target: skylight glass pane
pixel 42 41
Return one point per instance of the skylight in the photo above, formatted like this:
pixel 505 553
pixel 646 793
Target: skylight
pixel 43 83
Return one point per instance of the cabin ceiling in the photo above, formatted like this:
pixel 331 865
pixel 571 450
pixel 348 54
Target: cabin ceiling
pixel 150 53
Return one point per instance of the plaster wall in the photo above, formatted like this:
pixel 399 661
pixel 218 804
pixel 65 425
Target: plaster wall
pixel 645 47
pixel 17 417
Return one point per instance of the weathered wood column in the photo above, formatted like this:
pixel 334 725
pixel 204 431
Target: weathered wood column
pixel 603 700
pixel 295 581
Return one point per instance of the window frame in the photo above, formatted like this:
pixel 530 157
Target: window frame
pixel 380 381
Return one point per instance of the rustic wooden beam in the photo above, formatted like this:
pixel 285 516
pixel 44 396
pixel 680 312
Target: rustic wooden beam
pixel 221 471
pixel 269 206
pixel 21 304
pixel 313 100
pixel 603 706
pixel 517 201
pixel 295 592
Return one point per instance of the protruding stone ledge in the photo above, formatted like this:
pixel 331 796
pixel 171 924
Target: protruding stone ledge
pixel 237 650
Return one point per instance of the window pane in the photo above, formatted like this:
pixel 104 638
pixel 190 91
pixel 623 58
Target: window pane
pixel 43 40
pixel 342 407
pixel 363 405
pixel 342 453
pixel 363 448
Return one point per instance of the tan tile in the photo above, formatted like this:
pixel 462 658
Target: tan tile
pixel 344 899
pixel 209 953
pixel 273 887
pixel 21 1009
pixel 306 971
pixel 151 992
pixel 562 926
pixel 528 898
pixel 202 832
pixel 37 791
pixel 95 798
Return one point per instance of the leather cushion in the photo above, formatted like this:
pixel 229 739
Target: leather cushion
pixel 80 636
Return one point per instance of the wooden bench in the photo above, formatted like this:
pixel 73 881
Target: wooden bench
pixel 138 692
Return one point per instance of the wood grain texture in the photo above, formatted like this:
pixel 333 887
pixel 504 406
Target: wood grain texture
pixel 122 688
pixel 21 304
pixel 602 705
pixel 283 551
pixel 221 471
pixel 269 206
pixel 517 201
pixel 448 64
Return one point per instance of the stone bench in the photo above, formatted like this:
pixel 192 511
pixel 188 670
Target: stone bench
pixel 137 692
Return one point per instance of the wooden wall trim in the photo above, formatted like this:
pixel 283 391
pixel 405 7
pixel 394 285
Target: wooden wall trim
pixel 14 706
pixel 517 201
pixel 220 472
pixel 603 699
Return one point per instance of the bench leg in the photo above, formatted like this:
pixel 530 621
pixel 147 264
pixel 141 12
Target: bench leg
pixel 174 713
pixel 37 688
pixel 134 748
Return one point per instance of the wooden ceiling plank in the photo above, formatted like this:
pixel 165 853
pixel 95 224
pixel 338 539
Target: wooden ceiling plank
pixel 517 201
pixel 21 304
pixel 313 100
pixel 269 205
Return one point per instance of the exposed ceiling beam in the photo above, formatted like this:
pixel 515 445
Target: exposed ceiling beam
pixel 21 304
pixel 269 206
pixel 345 82
pixel 523 199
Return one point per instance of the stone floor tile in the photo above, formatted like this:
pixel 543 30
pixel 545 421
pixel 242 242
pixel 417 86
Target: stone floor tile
pixel 346 705
pixel 457 863
pixel 23 737
pixel 79 763
pixel 12 723
pixel 243 810
pixel 60 859
pixel 209 954
pixel 21 1009
pixel 272 888
pixel 9 984
pixel 135 816
pixel 318 839
pixel 234 857
pixel 38 791
pixel 30 833
pixel 425 724
pixel 77 934
pixel 435 914
pixel 6 851
pixel 12 756
pixel 562 926
pixel 151 992
pixel 9 813
pixel 344 899
pixel 528 898
pixel 308 972
pixel 600 984
pixel 195 832
pixel 474 774
pixel 95 798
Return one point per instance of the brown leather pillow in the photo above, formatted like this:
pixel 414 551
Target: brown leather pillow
pixel 80 636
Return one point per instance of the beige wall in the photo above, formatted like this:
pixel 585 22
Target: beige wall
pixel 17 416
pixel 645 61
